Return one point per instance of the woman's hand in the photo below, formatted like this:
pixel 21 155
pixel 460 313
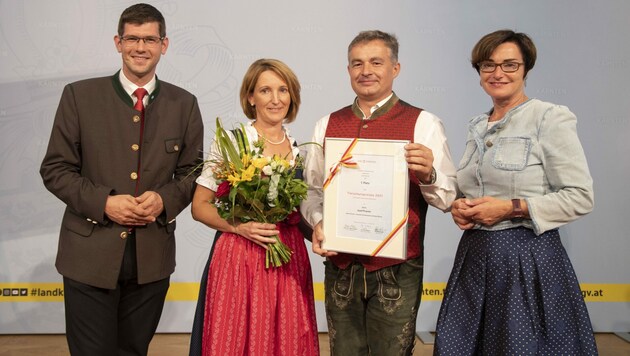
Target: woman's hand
pixel 203 210
pixel 457 212
pixel 258 233
pixel 485 210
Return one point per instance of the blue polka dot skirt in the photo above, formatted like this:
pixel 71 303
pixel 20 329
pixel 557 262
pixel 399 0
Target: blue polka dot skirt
pixel 513 293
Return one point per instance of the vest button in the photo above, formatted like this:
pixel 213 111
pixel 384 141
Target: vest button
pixel 135 147
pixel 489 143
pixel 124 234
pixel 136 118
pixel 133 175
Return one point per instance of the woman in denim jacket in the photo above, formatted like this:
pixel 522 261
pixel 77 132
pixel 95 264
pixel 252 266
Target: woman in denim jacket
pixel 513 290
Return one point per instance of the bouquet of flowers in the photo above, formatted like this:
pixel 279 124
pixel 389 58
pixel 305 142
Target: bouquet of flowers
pixel 253 187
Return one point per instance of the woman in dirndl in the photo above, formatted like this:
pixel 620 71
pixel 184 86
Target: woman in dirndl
pixel 245 308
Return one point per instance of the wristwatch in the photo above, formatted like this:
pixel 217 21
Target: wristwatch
pixel 517 211
pixel 432 178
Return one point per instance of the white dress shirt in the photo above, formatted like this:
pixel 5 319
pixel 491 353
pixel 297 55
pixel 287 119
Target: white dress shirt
pixel 428 131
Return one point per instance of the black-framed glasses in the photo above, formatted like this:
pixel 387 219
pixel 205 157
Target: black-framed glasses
pixel 134 40
pixel 507 67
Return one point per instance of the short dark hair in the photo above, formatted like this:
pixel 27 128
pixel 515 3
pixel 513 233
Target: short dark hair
pixel 389 39
pixel 139 14
pixel 283 71
pixel 488 43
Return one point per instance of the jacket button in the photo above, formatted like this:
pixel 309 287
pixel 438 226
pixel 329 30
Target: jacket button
pixel 489 143
pixel 134 175
pixel 136 118
pixel 135 147
pixel 124 234
pixel 176 148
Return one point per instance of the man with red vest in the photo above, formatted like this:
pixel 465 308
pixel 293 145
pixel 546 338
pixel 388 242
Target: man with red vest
pixel 372 302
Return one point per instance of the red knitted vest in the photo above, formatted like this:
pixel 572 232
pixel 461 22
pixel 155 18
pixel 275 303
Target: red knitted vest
pixel 396 124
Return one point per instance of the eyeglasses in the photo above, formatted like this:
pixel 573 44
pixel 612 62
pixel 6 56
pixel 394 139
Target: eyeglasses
pixel 507 67
pixel 133 40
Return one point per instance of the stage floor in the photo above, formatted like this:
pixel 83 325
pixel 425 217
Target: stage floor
pixel 177 344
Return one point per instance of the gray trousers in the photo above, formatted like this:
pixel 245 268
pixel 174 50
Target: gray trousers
pixel 373 313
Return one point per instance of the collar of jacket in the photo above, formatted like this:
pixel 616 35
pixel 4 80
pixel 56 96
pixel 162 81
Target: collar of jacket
pixel 123 94
pixel 378 112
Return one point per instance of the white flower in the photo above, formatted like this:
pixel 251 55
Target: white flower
pixel 273 189
pixel 267 170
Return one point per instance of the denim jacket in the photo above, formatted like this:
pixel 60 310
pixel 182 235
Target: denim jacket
pixel 533 153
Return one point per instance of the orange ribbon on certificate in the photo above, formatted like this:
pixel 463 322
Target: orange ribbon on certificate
pixel 391 235
pixel 345 161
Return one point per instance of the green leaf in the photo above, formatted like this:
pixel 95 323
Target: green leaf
pixel 243 145
pixel 226 146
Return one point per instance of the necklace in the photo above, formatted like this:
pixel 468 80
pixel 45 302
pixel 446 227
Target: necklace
pixel 284 137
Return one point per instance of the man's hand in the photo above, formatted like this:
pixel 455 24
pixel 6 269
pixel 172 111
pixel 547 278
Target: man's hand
pixel 318 238
pixel 420 161
pixel 150 205
pixel 124 210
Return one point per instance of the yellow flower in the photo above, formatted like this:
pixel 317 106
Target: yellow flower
pixel 245 159
pixel 281 161
pixel 234 179
pixel 259 162
pixel 248 173
pixel 285 163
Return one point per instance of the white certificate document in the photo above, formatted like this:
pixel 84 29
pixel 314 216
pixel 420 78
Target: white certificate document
pixel 366 194
pixel 369 188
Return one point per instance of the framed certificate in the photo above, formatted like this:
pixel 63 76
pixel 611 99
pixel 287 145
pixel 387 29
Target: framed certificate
pixel 366 194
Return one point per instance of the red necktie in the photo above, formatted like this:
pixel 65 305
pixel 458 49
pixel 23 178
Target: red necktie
pixel 139 94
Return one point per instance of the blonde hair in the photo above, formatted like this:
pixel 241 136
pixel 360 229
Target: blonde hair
pixel 283 71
